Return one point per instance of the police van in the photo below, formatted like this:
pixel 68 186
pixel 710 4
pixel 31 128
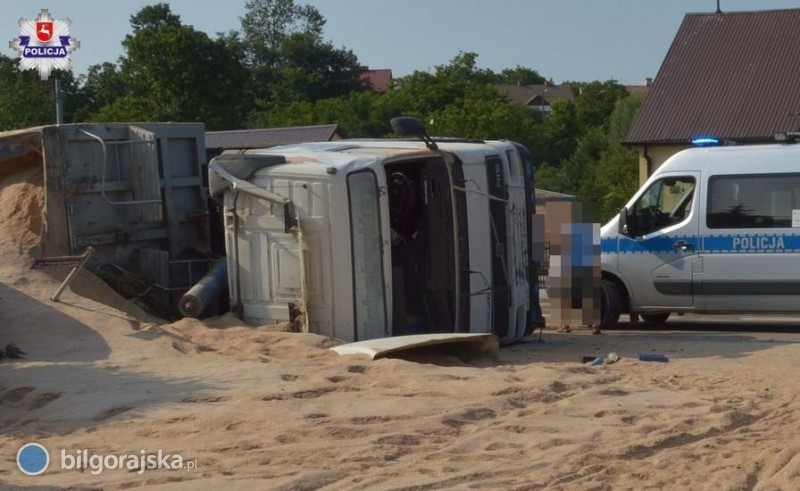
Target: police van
pixel 713 230
pixel 365 239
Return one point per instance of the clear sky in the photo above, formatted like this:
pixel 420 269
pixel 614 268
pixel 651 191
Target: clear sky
pixel 581 40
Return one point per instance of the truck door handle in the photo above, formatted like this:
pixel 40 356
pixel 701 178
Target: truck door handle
pixel 682 245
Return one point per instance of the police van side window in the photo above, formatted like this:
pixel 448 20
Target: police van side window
pixel 666 202
pixel 752 201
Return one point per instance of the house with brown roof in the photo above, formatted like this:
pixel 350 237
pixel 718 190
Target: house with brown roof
pixel 537 97
pixel 379 79
pixel 733 76
pixel 640 89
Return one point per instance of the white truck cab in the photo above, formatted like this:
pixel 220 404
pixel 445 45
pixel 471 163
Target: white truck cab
pixel 363 239
pixel 713 230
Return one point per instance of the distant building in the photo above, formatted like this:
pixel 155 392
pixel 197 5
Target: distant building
pixel 551 206
pixel 640 89
pixel 538 97
pixel 732 76
pixel 380 79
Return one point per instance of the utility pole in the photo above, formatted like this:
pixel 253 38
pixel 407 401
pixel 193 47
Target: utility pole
pixel 59 112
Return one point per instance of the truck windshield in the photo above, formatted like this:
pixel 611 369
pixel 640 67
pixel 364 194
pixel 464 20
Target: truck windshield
pixel 368 277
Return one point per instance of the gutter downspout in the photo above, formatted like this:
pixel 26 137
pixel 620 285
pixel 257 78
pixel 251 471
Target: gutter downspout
pixel 648 166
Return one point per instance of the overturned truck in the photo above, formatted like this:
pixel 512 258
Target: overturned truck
pixel 362 239
pixel 353 239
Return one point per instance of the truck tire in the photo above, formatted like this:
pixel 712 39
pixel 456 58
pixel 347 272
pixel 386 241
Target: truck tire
pixel 655 319
pixel 610 304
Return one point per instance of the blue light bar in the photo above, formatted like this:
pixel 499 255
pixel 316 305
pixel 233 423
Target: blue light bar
pixel 705 141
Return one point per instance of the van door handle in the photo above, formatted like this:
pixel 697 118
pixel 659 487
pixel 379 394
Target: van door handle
pixel 682 245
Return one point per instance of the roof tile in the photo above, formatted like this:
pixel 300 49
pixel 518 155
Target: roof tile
pixel 731 75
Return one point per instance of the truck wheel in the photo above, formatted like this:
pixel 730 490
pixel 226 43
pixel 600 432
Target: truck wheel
pixel 655 319
pixel 610 304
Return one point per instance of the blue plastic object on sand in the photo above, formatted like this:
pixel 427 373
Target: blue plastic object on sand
pixel 653 357
pixel 598 361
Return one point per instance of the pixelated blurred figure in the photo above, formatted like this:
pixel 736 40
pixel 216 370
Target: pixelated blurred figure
pixel 538 258
pixel 574 275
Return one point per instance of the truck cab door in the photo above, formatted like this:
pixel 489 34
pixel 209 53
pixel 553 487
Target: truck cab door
pixel 659 244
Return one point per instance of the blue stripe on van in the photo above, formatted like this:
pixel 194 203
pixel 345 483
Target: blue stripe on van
pixel 723 243
pixel 656 244
pixel 608 246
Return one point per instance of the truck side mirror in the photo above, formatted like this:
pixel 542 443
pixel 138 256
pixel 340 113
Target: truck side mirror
pixel 624 226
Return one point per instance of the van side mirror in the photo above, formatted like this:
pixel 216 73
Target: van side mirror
pixel 625 223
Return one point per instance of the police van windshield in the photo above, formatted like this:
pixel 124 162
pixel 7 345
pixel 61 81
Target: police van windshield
pixel 666 202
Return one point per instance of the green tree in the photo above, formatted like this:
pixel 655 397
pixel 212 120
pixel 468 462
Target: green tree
pixel 153 17
pixel 559 133
pixel 102 85
pixel 267 23
pixel 360 114
pixel 613 179
pixel 265 27
pixel 26 100
pixel 288 59
pixel 309 69
pixel 426 93
pixel 583 150
pixel 482 113
pixel 171 72
pixel 456 100
pixel 596 101
pixel 520 76
pixel 297 113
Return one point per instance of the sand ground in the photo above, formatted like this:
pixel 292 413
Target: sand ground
pixel 256 408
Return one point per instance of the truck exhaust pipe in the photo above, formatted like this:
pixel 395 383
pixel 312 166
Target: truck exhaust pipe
pixel 205 291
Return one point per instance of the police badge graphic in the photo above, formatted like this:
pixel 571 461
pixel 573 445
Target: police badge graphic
pixel 44 44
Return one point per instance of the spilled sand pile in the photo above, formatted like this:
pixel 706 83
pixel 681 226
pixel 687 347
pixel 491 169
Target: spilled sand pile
pixel 258 408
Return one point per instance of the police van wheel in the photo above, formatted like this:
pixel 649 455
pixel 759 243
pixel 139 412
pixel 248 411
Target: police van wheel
pixel 610 304
pixel 655 319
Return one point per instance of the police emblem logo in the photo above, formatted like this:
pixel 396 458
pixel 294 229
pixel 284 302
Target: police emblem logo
pixel 44 44
pixel 44 31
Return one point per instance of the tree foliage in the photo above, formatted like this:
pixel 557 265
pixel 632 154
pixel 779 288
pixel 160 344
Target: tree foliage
pixel 520 76
pixel 169 72
pixel 267 24
pixel 278 70
pixel 429 92
pixel 26 100
pixel 289 60
pixel 596 101
pixel 309 69
pixel 614 176
pixel 484 114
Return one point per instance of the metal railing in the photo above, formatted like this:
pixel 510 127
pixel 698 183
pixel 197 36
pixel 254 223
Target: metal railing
pixel 544 267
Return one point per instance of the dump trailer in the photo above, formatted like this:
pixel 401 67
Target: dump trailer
pixel 134 192
pixel 363 239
